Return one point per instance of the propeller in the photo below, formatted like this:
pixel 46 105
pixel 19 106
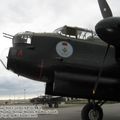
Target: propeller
pixel 108 29
pixel 104 30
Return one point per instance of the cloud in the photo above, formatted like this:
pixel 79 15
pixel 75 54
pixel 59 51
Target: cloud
pixel 28 11
pixel 16 86
pixel 11 84
pixel 16 11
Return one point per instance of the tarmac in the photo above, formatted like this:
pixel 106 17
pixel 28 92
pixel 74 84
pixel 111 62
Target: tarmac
pixel 73 112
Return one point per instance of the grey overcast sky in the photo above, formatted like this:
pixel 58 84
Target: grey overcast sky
pixel 41 16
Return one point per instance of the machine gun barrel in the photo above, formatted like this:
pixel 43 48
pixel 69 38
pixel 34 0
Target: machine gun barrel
pixel 8 35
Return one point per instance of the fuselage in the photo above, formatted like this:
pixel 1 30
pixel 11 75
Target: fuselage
pixel 69 66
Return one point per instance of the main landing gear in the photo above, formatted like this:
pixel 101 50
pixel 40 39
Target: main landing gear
pixel 92 111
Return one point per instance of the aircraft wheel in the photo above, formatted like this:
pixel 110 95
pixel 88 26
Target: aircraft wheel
pixel 92 112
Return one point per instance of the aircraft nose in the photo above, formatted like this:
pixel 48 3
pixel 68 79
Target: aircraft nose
pixel 22 65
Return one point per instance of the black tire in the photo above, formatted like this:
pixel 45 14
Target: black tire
pixel 92 112
pixel 56 105
pixel 50 105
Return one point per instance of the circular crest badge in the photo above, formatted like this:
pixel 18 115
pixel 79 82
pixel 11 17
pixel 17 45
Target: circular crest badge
pixel 64 49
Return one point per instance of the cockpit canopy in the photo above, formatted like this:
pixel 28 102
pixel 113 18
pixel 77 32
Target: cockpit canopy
pixel 75 32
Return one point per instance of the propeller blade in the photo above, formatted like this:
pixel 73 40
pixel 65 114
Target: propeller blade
pixel 105 9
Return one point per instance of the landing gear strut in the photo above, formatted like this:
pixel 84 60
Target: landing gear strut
pixel 92 111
